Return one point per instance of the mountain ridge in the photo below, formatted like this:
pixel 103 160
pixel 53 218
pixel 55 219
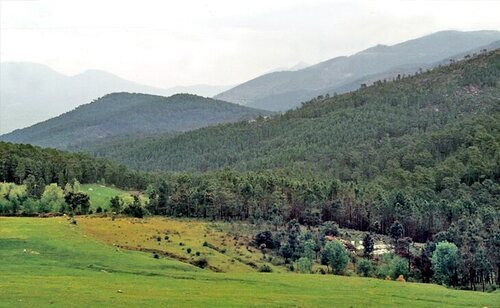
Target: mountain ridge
pixel 131 114
pixel 396 122
pixel 33 92
pixel 279 91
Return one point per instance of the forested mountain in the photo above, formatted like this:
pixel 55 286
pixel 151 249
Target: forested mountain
pixel 31 93
pixel 430 125
pixel 125 114
pixel 285 90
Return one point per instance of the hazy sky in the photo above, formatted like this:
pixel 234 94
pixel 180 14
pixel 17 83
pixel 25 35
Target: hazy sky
pixel 167 43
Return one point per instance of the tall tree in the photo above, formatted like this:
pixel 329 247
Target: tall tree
pixel 445 263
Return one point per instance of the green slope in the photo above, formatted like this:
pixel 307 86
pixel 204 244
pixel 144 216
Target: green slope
pixel 47 262
pixel 129 114
pixel 416 121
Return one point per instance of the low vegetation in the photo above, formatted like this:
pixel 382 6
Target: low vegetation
pixel 51 262
pixel 188 241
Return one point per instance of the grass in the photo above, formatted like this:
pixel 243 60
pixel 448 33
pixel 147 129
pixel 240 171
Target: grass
pixel 100 195
pixel 180 239
pixel 48 262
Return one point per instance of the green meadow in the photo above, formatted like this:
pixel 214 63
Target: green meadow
pixel 100 195
pixel 49 262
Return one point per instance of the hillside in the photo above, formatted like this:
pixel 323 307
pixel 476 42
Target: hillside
pixel 416 121
pixel 126 114
pixel 75 268
pixel 31 93
pixel 285 90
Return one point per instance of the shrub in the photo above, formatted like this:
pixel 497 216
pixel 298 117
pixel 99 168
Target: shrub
pixel 264 239
pixel 135 209
pixel 392 266
pixel 399 267
pixel 201 262
pixel 188 250
pixel 265 269
pixel 330 228
pixel 335 255
pixel 365 268
pixel 304 265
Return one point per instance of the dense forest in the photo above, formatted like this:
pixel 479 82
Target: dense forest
pixel 417 158
pixel 20 161
pixel 412 124
pixel 130 114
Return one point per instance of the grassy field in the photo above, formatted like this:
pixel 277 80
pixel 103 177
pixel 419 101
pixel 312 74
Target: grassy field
pixel 185 240
pixel 47 262
pixel 100 195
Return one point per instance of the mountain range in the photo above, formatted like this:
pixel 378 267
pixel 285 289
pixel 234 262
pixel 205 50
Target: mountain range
pixel 444 119
pixel 284 90
pixel 31 93
pixel 131 115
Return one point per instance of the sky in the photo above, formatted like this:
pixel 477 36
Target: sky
pixel 169 43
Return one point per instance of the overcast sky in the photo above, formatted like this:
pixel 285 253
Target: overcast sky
pixel 167 43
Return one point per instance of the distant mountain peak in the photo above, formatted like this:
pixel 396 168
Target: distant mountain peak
pixel 299 66
pixel 376 48
pixel 33 92
pixel 286 90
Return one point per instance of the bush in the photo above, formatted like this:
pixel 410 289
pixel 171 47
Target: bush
pixel 201 262
pixel 330 228
pixel 304 265
pixel 392 266
pixel 335 256
pixel 265 269
pixel 264 238
pixel 365 268
pixel 399 267
pixel 135 209
pixel 188 250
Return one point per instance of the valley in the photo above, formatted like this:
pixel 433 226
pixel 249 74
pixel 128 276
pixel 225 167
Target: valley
pixel 370 178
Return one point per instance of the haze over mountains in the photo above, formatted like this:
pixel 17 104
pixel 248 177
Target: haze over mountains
pixel 287 89
pixel 30 92
pixel 126 114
